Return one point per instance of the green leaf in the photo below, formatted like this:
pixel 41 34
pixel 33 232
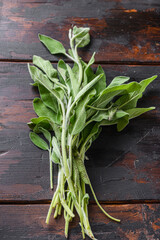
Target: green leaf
pixel 144 83
pixel 81 36
pixel 123 119
pixel 108 94
pixel 91 61
pixel 80 113
pixel 52 45
pixel 82 170
pixel 54 158
pixel 45 66
pixel 46 133
pixel 99 116
pixel 136 95
pixel 88 72
pixel 43 111
pixel 135 112
pixel 117 81
pixel 46 123
pixel 43 80
pixel 41 122
pixel 39 142
pixel 48 99
pixel 88 75
pixel 39 77
pixel 56 147
pixel 73 80
pixel 90 132
pixel 40 119
pixel 75 174
pixel 87 87
pixel 62 69
pixel 101 84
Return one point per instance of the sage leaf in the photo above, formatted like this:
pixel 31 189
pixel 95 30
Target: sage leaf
pixel 45 66
pixel 81 36
pixel 43 111
pixel 118 81
pixel 87 87
pixel 108 94
pixel 54 46
pixel 101 84
pixel 73 80
pixel 62 69
pixel 48 99
pixel 54 157
pixel 82 170
pixel 135 112
pixel 39 142
pixel 56 147
pixel 39 77
pixel 43 122
pixel 46 133
pixel 80 113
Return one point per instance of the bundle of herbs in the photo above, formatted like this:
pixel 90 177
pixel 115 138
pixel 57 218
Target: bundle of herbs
pixel 74 103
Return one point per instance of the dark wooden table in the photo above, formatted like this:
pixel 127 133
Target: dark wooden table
pixel 124 167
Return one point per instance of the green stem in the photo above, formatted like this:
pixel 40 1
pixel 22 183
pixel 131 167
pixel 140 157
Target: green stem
pixel 109 216
pixel 56 211
pixel 50 208
pixel 51 170
pixel 77 60
pixel 67 55
pixel 66 227
pixel 51 175
pixel 81 216
pixel 79 65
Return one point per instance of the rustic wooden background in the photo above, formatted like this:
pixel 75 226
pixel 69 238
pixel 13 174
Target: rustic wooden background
pixel 124 167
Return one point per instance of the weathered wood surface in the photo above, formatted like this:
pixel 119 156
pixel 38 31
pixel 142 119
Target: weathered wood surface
pixel 122 166
pixel 138 222
pixel 121 30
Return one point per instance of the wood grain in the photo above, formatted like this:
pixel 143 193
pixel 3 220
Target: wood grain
pixel 122 166
pixel 138 222
pixel 120 30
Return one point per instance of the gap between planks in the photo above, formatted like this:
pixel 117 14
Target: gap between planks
pixel 36 202
pixel 96 62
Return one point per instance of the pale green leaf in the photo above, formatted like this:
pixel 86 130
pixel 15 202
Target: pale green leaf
pixel 52 45
pixel 87 87
pixel 135 112
pixel 46 133
pixel 56 147
pixel 38 141
pixel 43 111
pixel 80 113
pixel 73 80
pixel 45 66
pixel 81 36
pixel 119 80
pixel 48 98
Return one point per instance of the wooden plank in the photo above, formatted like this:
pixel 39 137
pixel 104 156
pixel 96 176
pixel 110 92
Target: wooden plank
pixel 138 222
pixel 122 166
pixel 120 30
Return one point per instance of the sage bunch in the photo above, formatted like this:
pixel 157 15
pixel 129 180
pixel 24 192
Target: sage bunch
pixel 74 104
